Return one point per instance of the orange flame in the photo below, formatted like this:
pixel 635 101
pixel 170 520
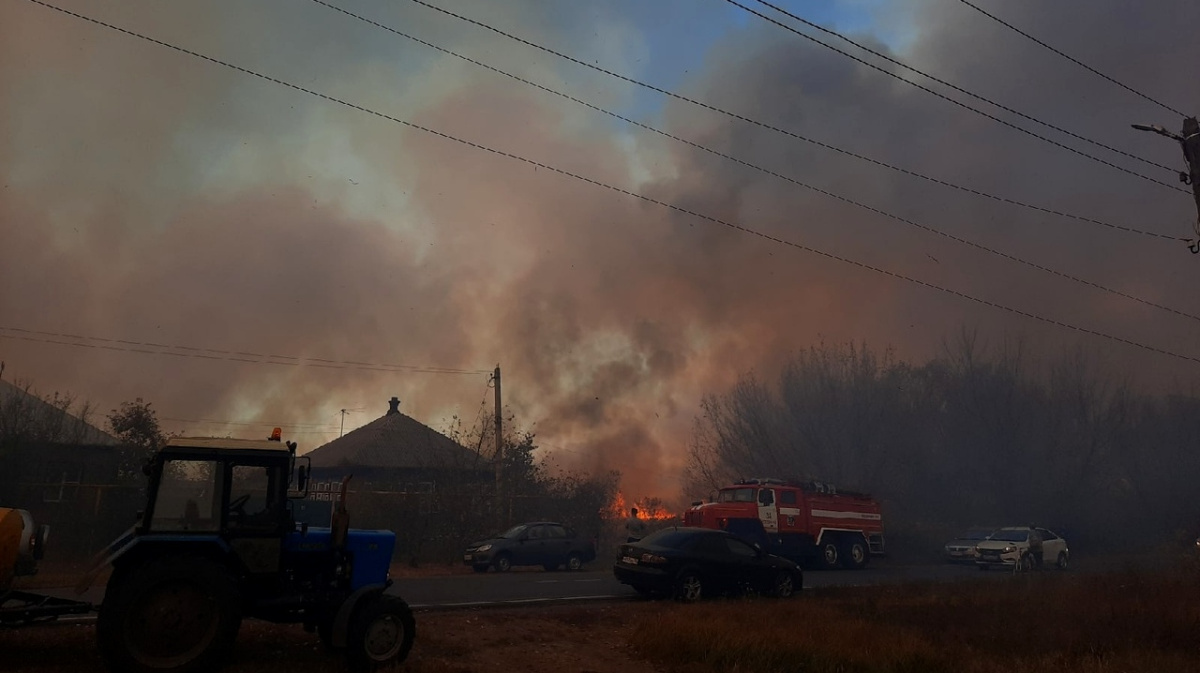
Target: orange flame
pixel 649 509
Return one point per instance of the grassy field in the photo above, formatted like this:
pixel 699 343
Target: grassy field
pixel 1135 621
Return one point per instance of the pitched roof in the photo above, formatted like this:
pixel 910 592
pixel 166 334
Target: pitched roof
pixel 70 430
pixel 396 441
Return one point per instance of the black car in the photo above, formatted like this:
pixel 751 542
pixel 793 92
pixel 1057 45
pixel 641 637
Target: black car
pixel 540 543
pixel 690 563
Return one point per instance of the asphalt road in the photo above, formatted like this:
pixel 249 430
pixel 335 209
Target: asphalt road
pixel 596 582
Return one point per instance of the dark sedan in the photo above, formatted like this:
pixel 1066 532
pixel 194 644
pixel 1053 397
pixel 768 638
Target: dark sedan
pixel 692 563
pixel 540 543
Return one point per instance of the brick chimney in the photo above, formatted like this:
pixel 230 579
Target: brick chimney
pixel 393 406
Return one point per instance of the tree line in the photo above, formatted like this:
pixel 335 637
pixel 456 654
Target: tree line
pixel 980 435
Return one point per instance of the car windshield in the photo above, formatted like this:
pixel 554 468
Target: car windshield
pixel 1010 535
pixel 668 537
pixel 737 495
pixel 514 532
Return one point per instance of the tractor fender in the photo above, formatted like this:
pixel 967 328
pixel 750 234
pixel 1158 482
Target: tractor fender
pixel 125 545
pixel 341 622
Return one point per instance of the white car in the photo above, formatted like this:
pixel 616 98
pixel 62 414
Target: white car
pixel 1022 548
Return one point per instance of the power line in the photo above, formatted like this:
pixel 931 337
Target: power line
pixel 709 218
pixel 150 348
pixel 960 89
pixel 775 174
pixel 748 120
pixel 1070 58
pixel 246 423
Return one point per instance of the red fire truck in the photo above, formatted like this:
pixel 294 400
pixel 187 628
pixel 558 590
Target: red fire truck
pixel 803 521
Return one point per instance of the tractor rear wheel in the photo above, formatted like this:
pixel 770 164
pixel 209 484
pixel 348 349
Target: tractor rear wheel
pixel 177 614
pixel 381 633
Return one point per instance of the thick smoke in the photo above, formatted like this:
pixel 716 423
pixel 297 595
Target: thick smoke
pixel 150 196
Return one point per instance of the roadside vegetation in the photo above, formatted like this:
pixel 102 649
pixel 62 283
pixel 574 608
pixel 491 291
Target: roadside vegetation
pixel 1133 621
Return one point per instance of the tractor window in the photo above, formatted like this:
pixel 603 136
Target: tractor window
pixel 251 498
pixel 187 498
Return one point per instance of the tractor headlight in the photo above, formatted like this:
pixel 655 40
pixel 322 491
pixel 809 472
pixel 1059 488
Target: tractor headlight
pixel 484 547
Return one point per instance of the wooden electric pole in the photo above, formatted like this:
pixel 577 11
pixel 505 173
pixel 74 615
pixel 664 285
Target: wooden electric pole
pixel 499 433
pixel 1189 142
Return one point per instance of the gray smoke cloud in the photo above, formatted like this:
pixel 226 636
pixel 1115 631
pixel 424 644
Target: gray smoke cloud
pixel 153 197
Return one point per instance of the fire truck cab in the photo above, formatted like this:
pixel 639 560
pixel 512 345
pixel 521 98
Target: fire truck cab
pixel 807 522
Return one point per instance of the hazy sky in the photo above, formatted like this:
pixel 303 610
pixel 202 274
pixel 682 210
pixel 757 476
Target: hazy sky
pixel 150 196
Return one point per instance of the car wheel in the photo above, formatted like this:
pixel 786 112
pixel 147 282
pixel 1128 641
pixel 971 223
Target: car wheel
pixel 503 563
pixel 784 585
pixel 574 562
pixel 1063 561
pixel 830 555
pixel 688 588
pixel 479 568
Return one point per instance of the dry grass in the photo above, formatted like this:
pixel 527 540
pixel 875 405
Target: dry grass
pixel 1124 622
pixel 1129 622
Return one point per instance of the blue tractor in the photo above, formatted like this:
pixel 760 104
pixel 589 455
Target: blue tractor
pixel 218 542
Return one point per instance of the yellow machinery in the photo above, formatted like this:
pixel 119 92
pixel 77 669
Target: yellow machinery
pixel 21 547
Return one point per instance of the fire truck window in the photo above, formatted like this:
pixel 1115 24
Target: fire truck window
pixel 787 497
pixel 766 497
pixel 737 495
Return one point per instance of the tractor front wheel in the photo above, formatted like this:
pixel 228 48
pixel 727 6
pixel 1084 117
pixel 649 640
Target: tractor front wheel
pixel 177 614
pixel 381 633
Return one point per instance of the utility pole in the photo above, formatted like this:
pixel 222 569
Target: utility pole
pixel 499 433
pixel 1189 142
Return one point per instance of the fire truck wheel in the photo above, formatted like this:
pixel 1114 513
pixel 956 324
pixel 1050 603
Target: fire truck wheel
pixel 854 555
pixel 688 587
pixel 502 563
pixel 830 554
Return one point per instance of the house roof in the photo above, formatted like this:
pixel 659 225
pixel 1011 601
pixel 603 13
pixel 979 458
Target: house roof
pixel 396 440
pixel 73 430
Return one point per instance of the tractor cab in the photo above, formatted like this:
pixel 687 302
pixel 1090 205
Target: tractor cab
pixel 236 490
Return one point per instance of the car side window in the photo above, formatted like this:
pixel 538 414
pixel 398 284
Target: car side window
pixel 555 532
pixel 534 532
pixel 710 544
pixel 1046 535
pixel 739 548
